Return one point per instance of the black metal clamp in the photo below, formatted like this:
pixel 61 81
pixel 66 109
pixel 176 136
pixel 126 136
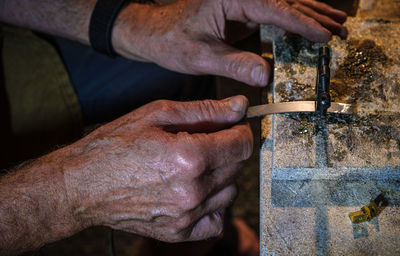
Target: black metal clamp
pixel 322 97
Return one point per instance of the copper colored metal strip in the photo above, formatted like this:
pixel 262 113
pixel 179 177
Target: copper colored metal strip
pixel 296 106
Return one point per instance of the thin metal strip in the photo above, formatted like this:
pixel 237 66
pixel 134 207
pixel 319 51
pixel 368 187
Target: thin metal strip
pixel 295 106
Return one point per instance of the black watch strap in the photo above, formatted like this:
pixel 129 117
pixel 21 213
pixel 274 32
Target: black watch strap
pixel 101 24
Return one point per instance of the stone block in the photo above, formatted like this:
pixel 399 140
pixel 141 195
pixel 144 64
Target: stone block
pixel 314 173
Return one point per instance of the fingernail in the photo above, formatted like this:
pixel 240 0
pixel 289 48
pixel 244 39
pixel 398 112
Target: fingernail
pixel 237 104
pixel 259 74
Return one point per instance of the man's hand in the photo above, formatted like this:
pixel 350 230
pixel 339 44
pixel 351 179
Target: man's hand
pixel 189 36
pixel 166 170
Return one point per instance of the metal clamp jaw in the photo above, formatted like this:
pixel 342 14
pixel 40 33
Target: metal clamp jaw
pixel 322 88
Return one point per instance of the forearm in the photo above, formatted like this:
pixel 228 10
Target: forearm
pixel 71 18
pixel 34 208
pixel 66 18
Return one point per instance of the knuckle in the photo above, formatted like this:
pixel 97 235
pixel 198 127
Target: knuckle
pixel 244 64
pixel 189 159
pixel 208 109
pixel 178 233
pixel 174 230
pixel 279 4
pixel 190 199
pixel 184 222
pixel 178 237
pixel 175 235
pixel 193 201
pixel 296 5
pixel 162 105
pixel 158 108
pixel 238 66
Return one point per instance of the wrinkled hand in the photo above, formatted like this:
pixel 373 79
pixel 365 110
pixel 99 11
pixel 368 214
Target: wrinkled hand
pixel 166 170
pixel 189 36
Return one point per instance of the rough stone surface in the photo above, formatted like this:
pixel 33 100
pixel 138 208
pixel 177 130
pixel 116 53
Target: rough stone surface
pixel 315 172
pixel 379 9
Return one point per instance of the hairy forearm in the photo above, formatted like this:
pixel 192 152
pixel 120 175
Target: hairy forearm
pixel 34 207
pixel 71 18
pixel 64 18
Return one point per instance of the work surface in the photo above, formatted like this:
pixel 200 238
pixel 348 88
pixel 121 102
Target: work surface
pixel 313 176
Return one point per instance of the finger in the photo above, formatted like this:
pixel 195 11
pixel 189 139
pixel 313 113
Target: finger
pixel 325 9
pixel 221 59
pixel 220 177
pixel 294 21
pixel 205 214
pixel 239 65
pixel 218 149
pixel 327 22
pixel 278 13
pixel 208 226
pixel 221 200
pixel 196 116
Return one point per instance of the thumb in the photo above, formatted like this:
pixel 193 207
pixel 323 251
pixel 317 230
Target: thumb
pixel 243 66
pixel 200 116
